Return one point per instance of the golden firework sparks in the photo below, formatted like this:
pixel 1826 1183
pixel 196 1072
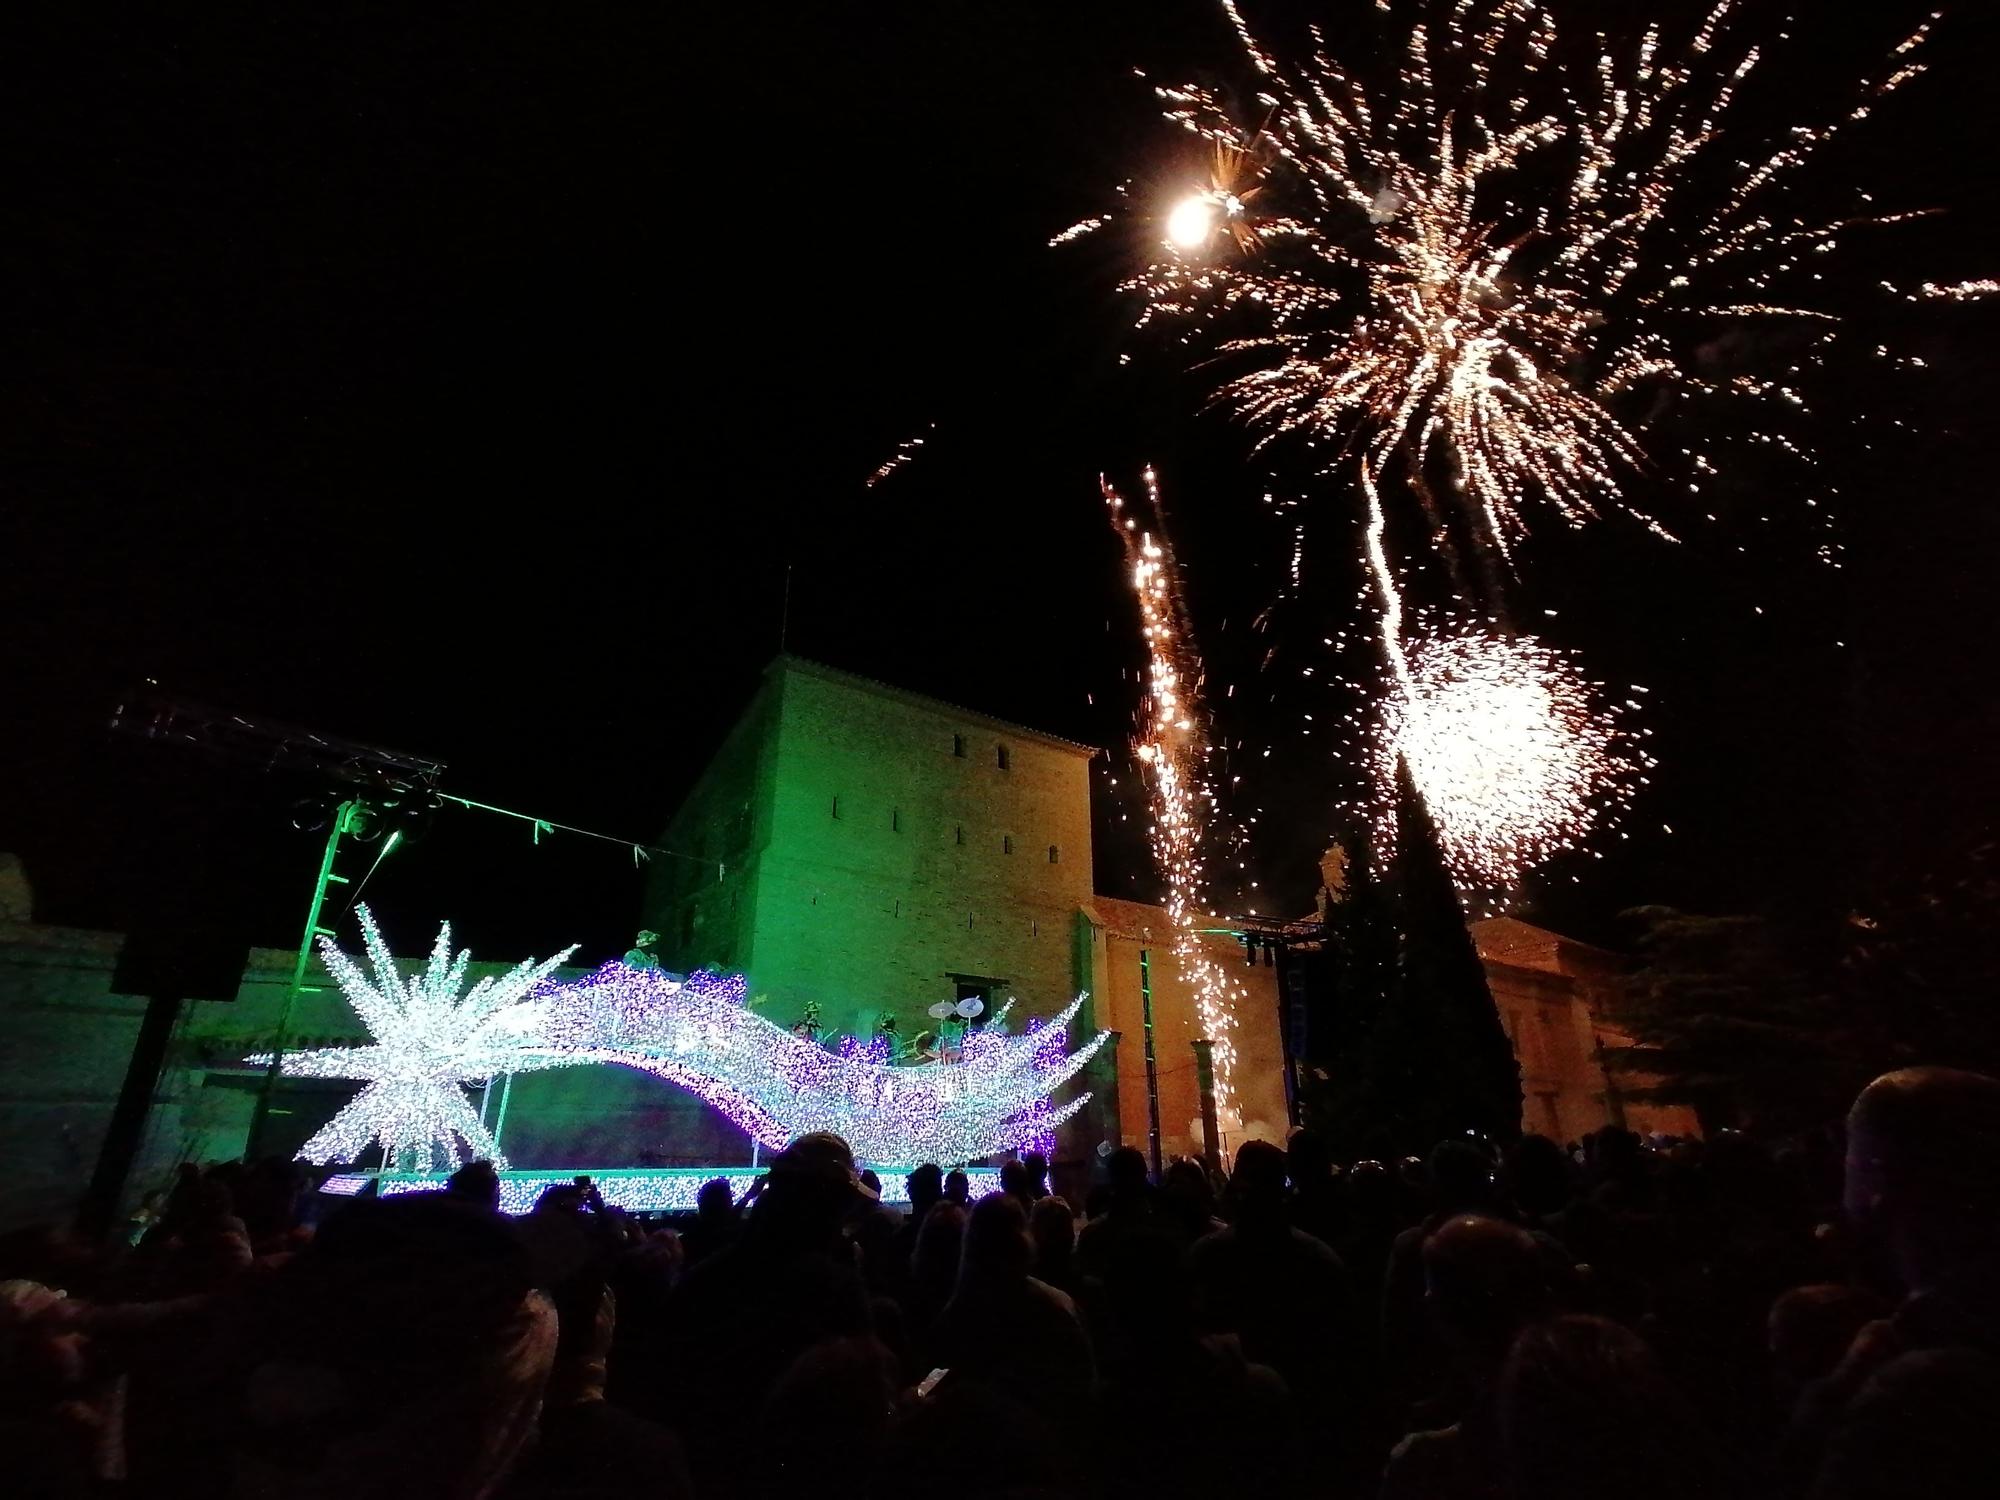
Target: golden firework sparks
pixel 1173 746
pixel 1445 281
pixel 1457 271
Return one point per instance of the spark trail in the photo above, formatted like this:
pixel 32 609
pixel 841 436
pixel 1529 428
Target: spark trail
pixel 1172 746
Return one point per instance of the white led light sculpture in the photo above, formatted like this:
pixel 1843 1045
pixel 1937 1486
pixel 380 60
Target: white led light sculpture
pixel 992 1096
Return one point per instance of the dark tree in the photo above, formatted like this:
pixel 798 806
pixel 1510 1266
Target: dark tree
pixel 1443 1031
pixel 1775 1024
pixel 1732 1016
pixel 1409 1048
pixel 1348 981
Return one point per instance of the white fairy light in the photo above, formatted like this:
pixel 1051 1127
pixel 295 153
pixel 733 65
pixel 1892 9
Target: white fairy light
pixel 992 1097
pixel 429 1044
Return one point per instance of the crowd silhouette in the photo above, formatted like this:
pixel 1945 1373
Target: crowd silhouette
pixel 1817 1319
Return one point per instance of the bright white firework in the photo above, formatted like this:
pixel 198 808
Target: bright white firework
pixel 1517 755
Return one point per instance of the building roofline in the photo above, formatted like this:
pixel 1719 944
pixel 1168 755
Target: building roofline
pixel 786 662
pixel 1548 978
pixel 1561 938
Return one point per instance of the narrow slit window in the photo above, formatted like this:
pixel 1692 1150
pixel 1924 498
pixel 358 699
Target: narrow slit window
pixel 1055 855
pixel 836 807
pixel 895 820
pixel 1006 843
pixel 958 834
pixel 1000 756
pixel 958 746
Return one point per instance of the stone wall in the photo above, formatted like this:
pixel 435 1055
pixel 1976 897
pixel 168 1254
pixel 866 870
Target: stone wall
pixel 1123 931
pixel 899 857
pixel 1553 994
pixel 66 1041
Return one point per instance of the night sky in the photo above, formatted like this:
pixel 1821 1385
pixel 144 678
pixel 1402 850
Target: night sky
pixel 465 379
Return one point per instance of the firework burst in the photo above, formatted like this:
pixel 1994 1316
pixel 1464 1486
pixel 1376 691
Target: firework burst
pixel 1451 283
pixel 1172 747
pixel 1517 755
pixel 1456 273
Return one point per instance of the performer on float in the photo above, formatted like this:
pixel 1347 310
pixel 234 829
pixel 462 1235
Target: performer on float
pixel 642 954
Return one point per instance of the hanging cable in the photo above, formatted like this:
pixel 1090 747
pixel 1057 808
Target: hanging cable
pixel 549 825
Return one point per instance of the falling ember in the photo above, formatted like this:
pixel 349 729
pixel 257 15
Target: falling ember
pixel 906 452
pixel 1517 756
pixel 1172 747
pixel 1456 272
pixel 1957 291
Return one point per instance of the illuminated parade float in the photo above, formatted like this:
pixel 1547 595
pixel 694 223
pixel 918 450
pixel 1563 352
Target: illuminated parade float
pixel 976 1092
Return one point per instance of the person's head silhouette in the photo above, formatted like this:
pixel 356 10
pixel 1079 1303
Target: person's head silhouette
pixel 1258 1188
pixel 1537 1175
pixel 1014 1180
pixel 926 1186
pixel 1038 1173
pixel 934 1262
pixel 997 1249
pixel 1923 1176
pixel 1483 1280
pixel 809 1193
pixel 1461 1177
pixel 1585 1411
pixel 714 1202
pixel 1126 1169
pixel 1309 1160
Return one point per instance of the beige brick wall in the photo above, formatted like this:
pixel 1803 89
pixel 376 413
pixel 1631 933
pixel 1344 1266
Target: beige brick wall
pixel 1123 931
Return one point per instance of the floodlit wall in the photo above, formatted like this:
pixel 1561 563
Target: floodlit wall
pixel 1123 931
pixel 1552 994
pixel 65 1043
pixel 66 1040
pixel 901 847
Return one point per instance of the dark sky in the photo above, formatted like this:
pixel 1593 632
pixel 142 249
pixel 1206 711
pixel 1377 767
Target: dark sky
pixel 465 378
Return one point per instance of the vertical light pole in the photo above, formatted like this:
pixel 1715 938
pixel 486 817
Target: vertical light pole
pixel 1152 1063
pixel 506 1093
pixel 345 818
pixel 1211 1131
